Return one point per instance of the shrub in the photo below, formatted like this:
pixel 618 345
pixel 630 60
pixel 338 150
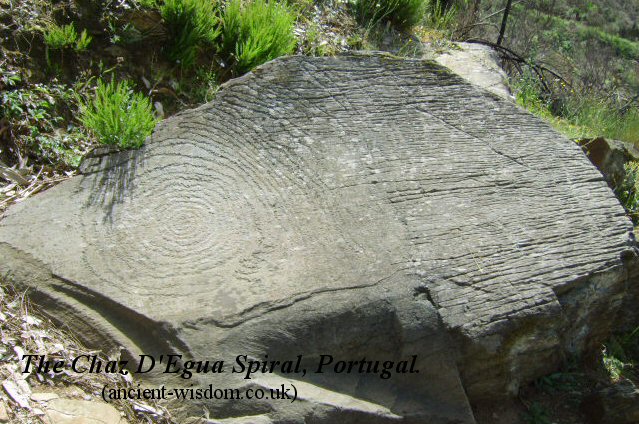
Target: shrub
pixel 117 115
pixel 402 13
pixel 529 93
pixel 256 32
pixel 622 46
pixel 537 414
pixel 190 25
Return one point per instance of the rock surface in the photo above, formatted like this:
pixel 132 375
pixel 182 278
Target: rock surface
pixel 4 416
pixel 610 156
pixel 476 63
pixel 357 206
pixel 69 411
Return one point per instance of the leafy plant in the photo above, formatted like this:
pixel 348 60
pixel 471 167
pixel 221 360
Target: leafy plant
pixel 118 115
pixel 123 34
pixel 198 87
pixel 613 365
pixel 537 414
pixel 556 382
pixel 9 78
pixel 256 32
pixel 35 114
pixel 65 148
pixel 190 25
pixel 401 13
pixel 621 352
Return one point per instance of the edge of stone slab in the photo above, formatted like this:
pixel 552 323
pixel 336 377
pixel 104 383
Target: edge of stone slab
pixel 103 151
pixel 69 306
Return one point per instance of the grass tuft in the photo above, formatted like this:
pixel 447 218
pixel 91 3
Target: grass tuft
pixel 441 16
pixel 256 32
pixel 148 4
pixel 628 190
pixel 117 115
pixel 404 14
pixel 580 115
pixel 605 118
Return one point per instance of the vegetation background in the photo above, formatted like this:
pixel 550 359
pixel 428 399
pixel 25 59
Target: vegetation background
pixel 574 62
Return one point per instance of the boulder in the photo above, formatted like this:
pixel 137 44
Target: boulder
pixel 610 156
pixel 365 207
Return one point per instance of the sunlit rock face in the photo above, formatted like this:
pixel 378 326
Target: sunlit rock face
pixel 365 207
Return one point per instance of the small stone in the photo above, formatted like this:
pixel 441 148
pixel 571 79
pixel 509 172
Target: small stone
pixel 43 396
pixel 4 416
pixel 70 411
pixel 16 393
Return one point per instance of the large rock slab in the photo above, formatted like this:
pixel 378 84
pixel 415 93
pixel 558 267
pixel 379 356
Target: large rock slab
pixel 357 206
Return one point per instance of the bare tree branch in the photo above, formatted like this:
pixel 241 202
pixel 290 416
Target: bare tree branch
pixel 504 21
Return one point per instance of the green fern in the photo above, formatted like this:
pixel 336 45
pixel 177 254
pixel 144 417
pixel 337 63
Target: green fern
pixel 117 115
pixel 83 41
pixel 59 37
pixel 190 25
pixel 256 32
